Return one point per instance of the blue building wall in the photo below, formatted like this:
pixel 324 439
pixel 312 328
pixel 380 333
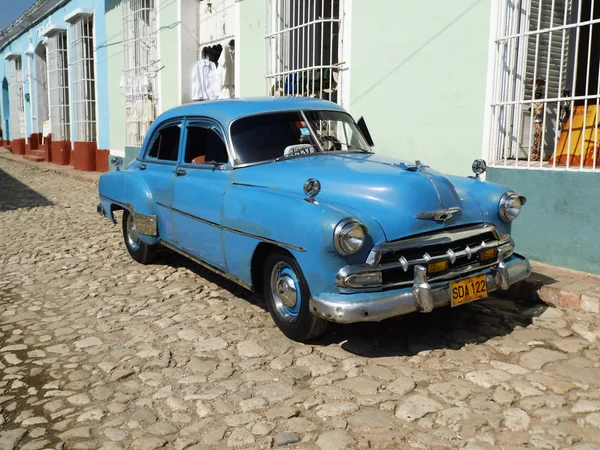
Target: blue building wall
pixel 20 45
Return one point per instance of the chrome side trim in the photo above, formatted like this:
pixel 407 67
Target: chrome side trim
pixel 207 265
pixel 232 230
pixel 145 224
pixel 347 311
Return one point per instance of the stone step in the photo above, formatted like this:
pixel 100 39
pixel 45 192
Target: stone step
pixel 34 158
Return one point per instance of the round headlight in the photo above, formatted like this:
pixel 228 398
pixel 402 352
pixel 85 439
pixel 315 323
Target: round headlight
pixel 349 236
pixel 510 206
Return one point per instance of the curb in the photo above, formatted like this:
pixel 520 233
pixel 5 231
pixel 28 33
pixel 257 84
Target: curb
pixel 89 177
pixel 560 288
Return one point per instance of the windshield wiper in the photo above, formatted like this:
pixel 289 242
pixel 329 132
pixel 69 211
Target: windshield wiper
pixel 353 147
pixel 296 150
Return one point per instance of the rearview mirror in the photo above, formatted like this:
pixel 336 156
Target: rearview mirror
pixel 362 126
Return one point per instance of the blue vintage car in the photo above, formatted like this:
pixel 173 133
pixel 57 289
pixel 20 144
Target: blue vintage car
pixel 285 197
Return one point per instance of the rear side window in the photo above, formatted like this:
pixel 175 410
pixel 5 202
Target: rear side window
pixel 166 145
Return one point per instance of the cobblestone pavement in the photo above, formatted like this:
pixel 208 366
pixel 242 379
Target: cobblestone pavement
pixel 97 351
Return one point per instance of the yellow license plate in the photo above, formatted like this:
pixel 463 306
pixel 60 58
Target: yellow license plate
pixel 468 290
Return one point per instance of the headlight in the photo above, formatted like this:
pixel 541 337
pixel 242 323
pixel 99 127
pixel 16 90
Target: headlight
pixel 349 236
pixel 510 206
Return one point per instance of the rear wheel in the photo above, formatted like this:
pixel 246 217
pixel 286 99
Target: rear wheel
pixel 140 251
pixel 287 297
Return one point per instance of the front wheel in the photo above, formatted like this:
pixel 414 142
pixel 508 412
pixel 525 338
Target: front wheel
pixel 287 297
pixel 140 251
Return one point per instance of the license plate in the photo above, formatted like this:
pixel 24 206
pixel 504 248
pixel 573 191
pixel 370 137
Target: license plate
pixel 468 290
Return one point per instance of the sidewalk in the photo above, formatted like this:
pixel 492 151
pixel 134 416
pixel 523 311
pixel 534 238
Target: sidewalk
pixel 553 285
pixel 561 288
pixel 91 177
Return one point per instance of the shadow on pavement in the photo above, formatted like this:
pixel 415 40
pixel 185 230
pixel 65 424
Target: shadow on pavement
pixel 16 195
pixel 443 328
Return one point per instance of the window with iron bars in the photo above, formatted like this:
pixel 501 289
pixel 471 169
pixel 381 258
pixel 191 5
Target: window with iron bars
pixel 303 47
pixel 17 104
pixel 58 76
pixel 84 83
pixel 139 75
pixel 545 90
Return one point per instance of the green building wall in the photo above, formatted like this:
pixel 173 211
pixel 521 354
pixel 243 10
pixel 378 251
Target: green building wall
pixel 116 100
pixel 559 223
pixel 168 51
pixel 418 74
pixel 251 48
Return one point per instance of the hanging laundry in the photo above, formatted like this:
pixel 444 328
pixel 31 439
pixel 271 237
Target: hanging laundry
pixel 206 80
pixel 228 90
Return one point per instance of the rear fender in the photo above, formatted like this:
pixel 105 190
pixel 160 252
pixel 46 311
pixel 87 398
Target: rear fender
pixel 128 190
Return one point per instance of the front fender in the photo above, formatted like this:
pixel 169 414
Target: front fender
pixel 488 197
pixel 287 220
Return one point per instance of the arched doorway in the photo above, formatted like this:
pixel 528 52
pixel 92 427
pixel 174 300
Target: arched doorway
pixel 41 82
pixel 6 108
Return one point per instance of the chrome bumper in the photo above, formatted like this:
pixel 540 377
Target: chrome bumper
pixel 422 297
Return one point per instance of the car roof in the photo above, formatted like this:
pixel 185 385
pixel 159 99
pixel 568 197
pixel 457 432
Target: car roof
pixel 227 110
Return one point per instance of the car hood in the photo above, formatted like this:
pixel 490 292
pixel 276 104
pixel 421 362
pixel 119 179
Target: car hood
pixel 373 184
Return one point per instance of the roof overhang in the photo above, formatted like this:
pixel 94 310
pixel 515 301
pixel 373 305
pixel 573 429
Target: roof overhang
pixel 53 29
pixel 12 55
pixel 78 14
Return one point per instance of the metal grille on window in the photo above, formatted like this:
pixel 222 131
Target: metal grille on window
pixel 58 75
pixel 17 105
pixel 84 84
pixel 303 45
pixel 545 100
pixel 139 75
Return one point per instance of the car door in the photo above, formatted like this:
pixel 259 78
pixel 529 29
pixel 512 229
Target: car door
pixel 199 185
pixel 158 170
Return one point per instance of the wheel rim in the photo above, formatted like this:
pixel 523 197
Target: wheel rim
pixel 285 290
pixel 132 236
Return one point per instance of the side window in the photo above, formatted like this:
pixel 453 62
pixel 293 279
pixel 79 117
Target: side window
pixel 166 144
pixel 204 146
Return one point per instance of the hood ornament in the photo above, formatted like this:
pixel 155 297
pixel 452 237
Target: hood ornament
pixel 439 215
pixel 412 167
pixel 312 187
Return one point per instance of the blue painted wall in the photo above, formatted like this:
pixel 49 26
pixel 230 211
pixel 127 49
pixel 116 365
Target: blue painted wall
pixel 20 44
pixel 560 224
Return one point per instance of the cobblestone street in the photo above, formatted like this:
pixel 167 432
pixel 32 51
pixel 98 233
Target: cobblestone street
pixel 98 351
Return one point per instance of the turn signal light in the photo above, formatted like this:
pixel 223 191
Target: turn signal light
pixel 490 253
pixel 439 266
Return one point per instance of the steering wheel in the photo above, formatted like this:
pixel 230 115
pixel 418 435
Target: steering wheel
pixel 335 142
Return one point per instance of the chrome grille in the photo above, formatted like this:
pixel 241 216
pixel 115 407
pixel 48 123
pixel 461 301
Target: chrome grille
pixel 461 247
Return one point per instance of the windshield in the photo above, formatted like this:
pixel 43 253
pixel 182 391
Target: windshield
pixel 272 136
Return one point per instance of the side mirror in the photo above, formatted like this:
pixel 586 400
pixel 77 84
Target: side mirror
pixel 116 161
pixel 479 166
pixel 362 126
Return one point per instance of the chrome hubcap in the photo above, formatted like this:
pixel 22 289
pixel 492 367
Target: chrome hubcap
pixel 285 289
pixel 132 236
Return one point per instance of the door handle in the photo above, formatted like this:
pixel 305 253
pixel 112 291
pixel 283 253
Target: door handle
pixel 179 172
pixel 142 166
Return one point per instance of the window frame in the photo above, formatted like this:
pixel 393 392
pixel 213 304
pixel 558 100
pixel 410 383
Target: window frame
pixel 211 125
pixel 155 135
pixel 84 93
pixel 502 137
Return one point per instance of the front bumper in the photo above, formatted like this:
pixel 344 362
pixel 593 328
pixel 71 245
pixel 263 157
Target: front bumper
pixel 422 297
